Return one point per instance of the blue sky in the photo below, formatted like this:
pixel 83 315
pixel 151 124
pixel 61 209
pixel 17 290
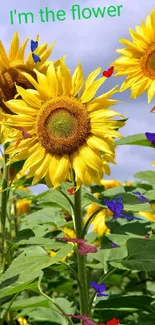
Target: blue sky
pixel 93 42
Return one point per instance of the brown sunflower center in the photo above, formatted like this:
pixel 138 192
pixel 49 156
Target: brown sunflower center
pixel 8 80
pixel 148 62
pixel 63 125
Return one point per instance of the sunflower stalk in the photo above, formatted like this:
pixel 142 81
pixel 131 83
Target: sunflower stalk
pixel 81 260
pixel 4 198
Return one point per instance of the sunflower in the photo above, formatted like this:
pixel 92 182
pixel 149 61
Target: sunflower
pixel 99 222
pixel 13 64
pixel 7 134
pixel 68 131
pixel 138 59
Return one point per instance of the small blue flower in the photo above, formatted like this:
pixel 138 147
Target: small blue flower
pixel 98 288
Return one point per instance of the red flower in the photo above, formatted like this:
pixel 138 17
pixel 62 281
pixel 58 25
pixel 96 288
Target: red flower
pixel 113 321
pixel 108 73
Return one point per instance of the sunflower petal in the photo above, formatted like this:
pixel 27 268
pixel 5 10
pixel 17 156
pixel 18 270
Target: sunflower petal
pixel 77 80
pixel 14 47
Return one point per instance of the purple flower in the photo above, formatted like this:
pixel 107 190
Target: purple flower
pixel 147 236
pixel 150 137
pixel 85 319
pixel 141 197
pixel 116 206
pixel 98 288
pixel 113 245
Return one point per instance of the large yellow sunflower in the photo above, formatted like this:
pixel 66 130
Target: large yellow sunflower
pixel 68 131
pixel 12 65
pixel 138 59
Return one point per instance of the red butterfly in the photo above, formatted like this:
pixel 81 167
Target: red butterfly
pixel 84 249
pixel 108 73
pixel 152 109
pixel 113 321
pixel 71 191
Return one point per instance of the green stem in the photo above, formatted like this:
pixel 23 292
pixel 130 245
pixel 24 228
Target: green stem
pixel 68 199
pixel 56 305
pixel 89 221
pixel 4 198
pixel 74 273
pixel 7 310
pixel 81 260
pixel 111 271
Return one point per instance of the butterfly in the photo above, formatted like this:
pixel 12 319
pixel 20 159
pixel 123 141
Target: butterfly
pixel 36 58
pixel 84 249
pixel 98 288
pixel 34 45
pixel 141 197
pixel 71 191
pixel 116 206
pixel 113 245
pixel 152 109
pixel 108 73
pixel 150 137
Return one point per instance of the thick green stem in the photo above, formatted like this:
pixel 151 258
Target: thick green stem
pixel 4 198
pixel 81 260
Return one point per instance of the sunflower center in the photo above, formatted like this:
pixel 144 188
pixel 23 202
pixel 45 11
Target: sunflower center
pixel 148 62
pixel 63 125
pixel 8 80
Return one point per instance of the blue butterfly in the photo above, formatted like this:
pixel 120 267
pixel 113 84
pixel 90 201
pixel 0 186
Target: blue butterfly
pixel 150 137
pixel 34 45
pixel 98 288
pixel 116 206
pixel 36 58
pixel 141 197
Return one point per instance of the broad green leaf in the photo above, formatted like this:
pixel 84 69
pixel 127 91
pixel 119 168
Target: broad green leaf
pixel 150 195
pixel 20 194
pixel 147 176
pixel 136 227
pixel 50 216
pixel 135 139
pixel 136 302
pixel 43 314
pixel 26 268
pixel 91 237
pixel 46 243
pixel 141 255
pixel 56 197
pixel 114 191
pixel 37 301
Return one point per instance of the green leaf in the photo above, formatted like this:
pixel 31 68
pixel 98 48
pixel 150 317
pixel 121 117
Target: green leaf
pixel 114 191
pixel 141 255
pixel 50 216
pixel 56 197
pixel 147 176
pixel 136 302
pixel 150 195
pixel 46 243
pixel 135 139
pixel 37 301
pixel 26 268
